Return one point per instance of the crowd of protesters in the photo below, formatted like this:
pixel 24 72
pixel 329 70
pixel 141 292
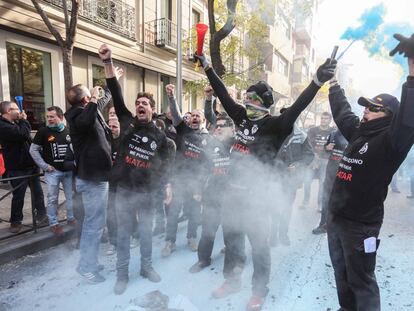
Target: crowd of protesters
pixel 132 170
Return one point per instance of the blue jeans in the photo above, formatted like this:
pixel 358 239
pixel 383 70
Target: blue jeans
pixel 95 199
pixel 53 179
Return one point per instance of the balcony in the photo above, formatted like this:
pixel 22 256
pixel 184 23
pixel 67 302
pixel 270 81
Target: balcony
pixel 163 34
pixel 114 15
pixel 303 31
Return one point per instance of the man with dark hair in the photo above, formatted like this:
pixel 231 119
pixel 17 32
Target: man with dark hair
pixel 139 172
pixel 190 164
pixel 335 147
pixel 293 158
pixel 218 154
pixel 378 144
pixel 317 136
pixel 247 211
pixel 90 139
pixel 15 140
pixel 48 150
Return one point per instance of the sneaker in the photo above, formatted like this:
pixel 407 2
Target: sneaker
pixel 396 190
pixel 198 266
pixel 111 250
pixel 168 249
pixel 120 286
pixel 321 229
pixel 72 222
pixel 255 303
pixel 134 243
pixel 284 240
pixel 91 277
pixel 15 227
pixel 228 288
pixel 410 196
pixel 150 274
pixel 57 230
pixel 192 244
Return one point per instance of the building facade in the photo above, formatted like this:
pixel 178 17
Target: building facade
pixel 141 33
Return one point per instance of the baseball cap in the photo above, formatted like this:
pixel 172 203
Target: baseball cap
pixel 382 100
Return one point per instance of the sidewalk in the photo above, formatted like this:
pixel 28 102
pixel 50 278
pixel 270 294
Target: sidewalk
pixel 13 246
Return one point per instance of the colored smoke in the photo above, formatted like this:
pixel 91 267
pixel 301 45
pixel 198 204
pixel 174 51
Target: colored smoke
pixel 371 19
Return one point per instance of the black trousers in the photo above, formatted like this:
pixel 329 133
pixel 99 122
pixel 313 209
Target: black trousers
pixel 128 205
pixel 354 269
pixel 244 214
pixel 19 194
pixel 210 221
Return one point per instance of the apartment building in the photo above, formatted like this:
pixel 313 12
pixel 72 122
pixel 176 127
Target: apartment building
pixel 277 52
pixel 142 34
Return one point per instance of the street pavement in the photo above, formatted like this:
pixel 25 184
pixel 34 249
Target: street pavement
pixel 301 278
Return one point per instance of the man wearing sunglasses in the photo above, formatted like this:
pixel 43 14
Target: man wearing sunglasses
pixel 253 176
pixel 378 144
pixel 218 154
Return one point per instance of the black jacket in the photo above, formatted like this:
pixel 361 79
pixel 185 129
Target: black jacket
pixel 375 151
pixel 90 140
pixel 257 140
pixel 142 159
pixel 15 140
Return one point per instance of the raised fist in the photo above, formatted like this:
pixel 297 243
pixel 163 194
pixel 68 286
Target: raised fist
pixel 169 88
pixel 105 52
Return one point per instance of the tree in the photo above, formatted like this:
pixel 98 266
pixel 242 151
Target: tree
pixel 66 44
pixel 217 36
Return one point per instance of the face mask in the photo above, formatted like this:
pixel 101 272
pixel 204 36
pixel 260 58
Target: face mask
pixel 58 127
pixel 255 113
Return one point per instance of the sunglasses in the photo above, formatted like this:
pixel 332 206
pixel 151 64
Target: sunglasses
pixel 375 108
pixel 253 96
pixel 222 125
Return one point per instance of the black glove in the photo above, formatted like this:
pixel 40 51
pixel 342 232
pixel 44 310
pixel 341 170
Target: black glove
pixel 405 46
pixel 203 60
pixel 325 72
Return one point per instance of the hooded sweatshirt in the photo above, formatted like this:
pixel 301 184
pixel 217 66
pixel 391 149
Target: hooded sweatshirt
pixel 375 151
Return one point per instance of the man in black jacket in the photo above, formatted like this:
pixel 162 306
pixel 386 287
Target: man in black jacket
pixel 294 157
pixel 139 170
pixel 15 141
pixel 90 139
pixel 258 139
pixel 335 147
pixel 378 144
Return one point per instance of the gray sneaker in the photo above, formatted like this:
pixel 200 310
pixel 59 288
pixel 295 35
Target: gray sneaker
pixel 168 249
pixel 150 274
pixel 192 244
pixel 91 277
pixel 120 286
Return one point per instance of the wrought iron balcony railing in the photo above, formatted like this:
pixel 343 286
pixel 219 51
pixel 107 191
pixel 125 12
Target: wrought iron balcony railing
pixel 114 15
pixel 162 33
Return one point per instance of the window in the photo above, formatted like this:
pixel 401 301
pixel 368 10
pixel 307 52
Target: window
pixel 281 65
pixel 98 75
pixel 165 80
pixel 196 17
pixel 30 76
pixel 193 101
pixel 284 24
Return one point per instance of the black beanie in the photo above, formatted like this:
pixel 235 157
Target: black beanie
pixel 264 90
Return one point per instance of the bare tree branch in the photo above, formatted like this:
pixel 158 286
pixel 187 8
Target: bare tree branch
pixel 70 39
pixel 66 15
pixel 49 25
